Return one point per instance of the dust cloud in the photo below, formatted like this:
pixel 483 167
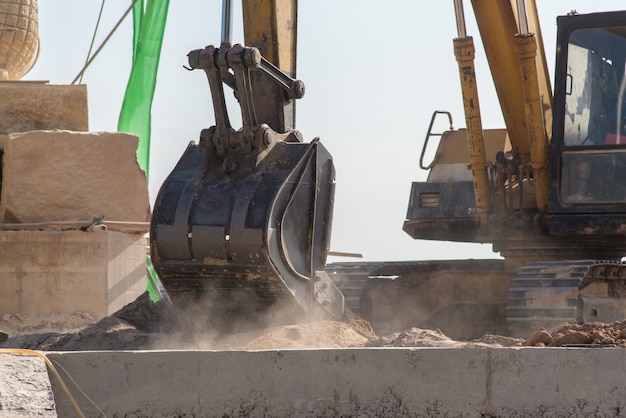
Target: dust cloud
pixel 143 325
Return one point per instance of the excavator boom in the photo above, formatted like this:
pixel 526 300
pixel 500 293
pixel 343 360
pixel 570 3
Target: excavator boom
pixel 498 26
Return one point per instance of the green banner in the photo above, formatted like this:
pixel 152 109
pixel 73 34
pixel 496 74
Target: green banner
pixel 149 26
pixel 138 9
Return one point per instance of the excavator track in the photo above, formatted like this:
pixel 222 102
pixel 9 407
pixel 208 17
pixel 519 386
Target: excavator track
pixel 465 299
pixel 548 294
pixel 350 278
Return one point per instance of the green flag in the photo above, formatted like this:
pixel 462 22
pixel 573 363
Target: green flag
pixel 138 9
pixel 149 26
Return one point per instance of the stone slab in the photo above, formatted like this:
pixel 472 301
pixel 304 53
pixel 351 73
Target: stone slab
pixel 70 271
pixel 29 106
pixel 366 382
pixel 72 176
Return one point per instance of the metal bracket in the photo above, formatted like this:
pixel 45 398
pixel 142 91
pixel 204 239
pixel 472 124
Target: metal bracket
pixel 231 65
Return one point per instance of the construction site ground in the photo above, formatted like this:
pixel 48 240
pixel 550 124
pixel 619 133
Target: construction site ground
pixel 145 361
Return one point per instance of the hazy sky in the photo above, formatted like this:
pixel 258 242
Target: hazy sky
pixel 374 73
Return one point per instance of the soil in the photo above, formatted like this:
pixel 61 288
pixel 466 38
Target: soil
pixel 589 334
pixel 145 325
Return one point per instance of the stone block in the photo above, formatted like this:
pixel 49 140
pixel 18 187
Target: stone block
pixel 70 271
pixel 56 176
pixel 29 106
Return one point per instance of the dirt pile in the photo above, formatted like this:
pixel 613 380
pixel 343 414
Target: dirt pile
pixel 589 334
pixel 143 325
pixel 416 337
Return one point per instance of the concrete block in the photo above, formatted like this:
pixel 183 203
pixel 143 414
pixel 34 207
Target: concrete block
pixel 576 382
pixel 25 389
pixel 72 176
pixel 361 382
pixel 314 383
pixel 70 271
pixel 29 106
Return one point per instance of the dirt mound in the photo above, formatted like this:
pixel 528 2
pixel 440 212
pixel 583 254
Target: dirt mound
pixel 589 334
pixel 143 325
pixel 110 333
pixel 323 334
pixel 130 328
pixel 416 337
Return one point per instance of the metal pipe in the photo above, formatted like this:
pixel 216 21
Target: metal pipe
pixel 460 19
pixel 227 22
pixel 620 101
pixel 522 17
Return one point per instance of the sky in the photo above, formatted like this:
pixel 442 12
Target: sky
pixel 374 73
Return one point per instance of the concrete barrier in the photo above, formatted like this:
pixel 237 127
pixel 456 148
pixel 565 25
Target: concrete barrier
pixel 421 382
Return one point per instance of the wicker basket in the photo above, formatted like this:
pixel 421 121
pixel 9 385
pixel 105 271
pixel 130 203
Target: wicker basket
pixel 19 37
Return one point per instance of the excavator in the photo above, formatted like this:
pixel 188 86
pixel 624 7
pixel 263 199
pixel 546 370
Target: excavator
pixel 241 226
pixel 547 191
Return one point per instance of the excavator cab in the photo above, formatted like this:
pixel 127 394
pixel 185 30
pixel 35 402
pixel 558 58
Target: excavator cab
pixel 589 142
pixel 241 226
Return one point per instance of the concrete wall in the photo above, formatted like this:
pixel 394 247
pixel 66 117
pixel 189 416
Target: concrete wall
pixel 423 382
pixel 70 271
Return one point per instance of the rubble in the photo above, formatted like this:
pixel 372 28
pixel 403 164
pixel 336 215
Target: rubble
pixel 588 334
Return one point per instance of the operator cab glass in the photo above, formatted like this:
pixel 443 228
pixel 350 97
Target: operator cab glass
pixel 593 155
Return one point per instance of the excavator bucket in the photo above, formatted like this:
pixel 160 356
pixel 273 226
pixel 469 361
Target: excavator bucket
pixel 242 223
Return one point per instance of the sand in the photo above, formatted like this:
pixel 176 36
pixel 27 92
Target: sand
pixel 144 325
